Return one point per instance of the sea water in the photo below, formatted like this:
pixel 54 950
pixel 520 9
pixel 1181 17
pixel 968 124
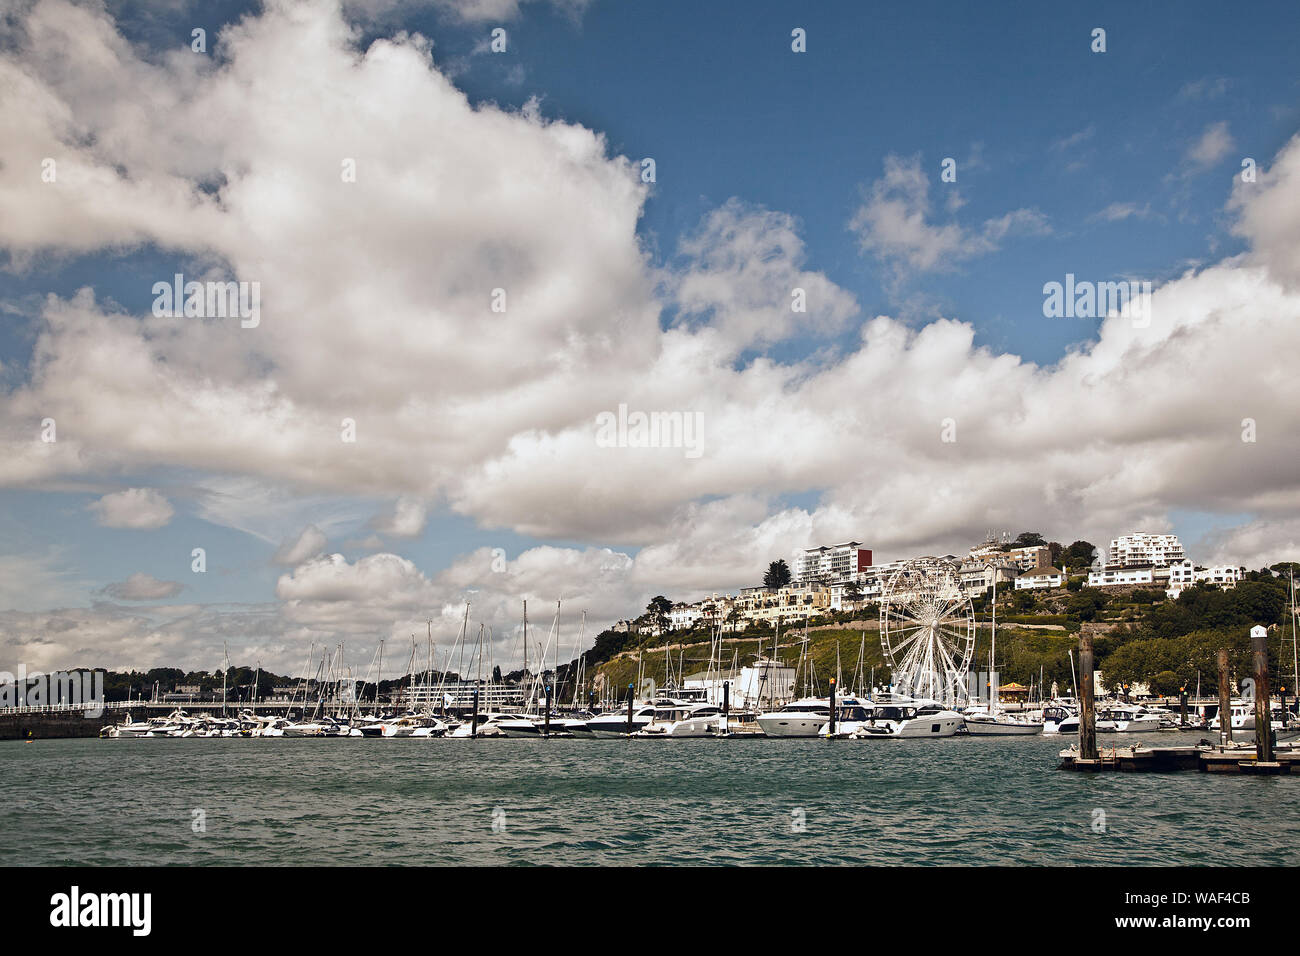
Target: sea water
pixel 342 801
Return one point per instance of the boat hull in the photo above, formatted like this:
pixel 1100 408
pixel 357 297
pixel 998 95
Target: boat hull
pixel 929 726
pixel 997 728
pixel 791 725
pixel 615 728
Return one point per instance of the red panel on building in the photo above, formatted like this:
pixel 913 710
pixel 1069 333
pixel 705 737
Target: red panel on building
pixel 864 559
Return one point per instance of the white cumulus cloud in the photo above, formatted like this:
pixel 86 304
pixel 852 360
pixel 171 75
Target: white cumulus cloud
pixel 140 508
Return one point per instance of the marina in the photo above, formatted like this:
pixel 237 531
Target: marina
pixel 927 631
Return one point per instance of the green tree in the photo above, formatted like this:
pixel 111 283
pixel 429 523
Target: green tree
pixel 1029 539
pixel 1086 604
pixel 778 574
pixel 1201 607
pixel 1165 683
pixel 657 611
pixel 1079 555
pixel 1144 659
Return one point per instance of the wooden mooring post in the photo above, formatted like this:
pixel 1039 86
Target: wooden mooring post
pixel 832 699
pixel 1263 714
pixel 1087 712
pixel 1225 702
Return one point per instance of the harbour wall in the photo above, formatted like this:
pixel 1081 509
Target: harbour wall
pixel 46 726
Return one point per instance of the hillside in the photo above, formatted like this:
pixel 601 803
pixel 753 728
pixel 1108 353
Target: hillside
pixel 1139 637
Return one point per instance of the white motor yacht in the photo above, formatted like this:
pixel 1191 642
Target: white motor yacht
pixel 615 722
pixel 683 719
pixel 991 722
pixel 270 726
pixel 485 726
pixel 431 727
pixel 1126 719
pixel 1055 715
pixel 529 725
pixel 303 728
pixel 1241 713
pixel 129 728
pixel 1112 719
pixel 850 714
pixel 906 717
pixel 799 718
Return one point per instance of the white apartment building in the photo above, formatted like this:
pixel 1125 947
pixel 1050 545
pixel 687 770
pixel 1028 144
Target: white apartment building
pixel 792 602
pixel 1023 559
pixel 831 563
pixel 1111 577
pixel 980 575
pixel 840 600
pixel 683 616
pixel 1048 577
pixel 1183 574
pixel 1224 575
pixel 1140 548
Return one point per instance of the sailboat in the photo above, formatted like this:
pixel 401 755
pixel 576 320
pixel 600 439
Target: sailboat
pixel 991 721
pixel 531 723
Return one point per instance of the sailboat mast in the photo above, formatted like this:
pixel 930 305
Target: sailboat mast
pixel 480 656
pixel 776 648
pixel 1295 653
pixel 993 641
pixel 224 670
pixel 582 660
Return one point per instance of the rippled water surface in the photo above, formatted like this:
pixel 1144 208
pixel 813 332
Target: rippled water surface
pixel 362 801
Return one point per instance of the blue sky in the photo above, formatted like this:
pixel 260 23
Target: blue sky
pixel 1118 164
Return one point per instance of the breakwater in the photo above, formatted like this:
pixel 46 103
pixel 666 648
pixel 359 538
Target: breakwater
pixel 49 724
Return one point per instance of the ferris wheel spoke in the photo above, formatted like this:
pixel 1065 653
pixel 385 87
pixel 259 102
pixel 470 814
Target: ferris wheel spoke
pixel 955 640
pixel 951 605
pixel 912 655
pixel 899 646
pixel 949 663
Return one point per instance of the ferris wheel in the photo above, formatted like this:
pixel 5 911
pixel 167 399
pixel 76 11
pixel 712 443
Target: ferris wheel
pixel 927 630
